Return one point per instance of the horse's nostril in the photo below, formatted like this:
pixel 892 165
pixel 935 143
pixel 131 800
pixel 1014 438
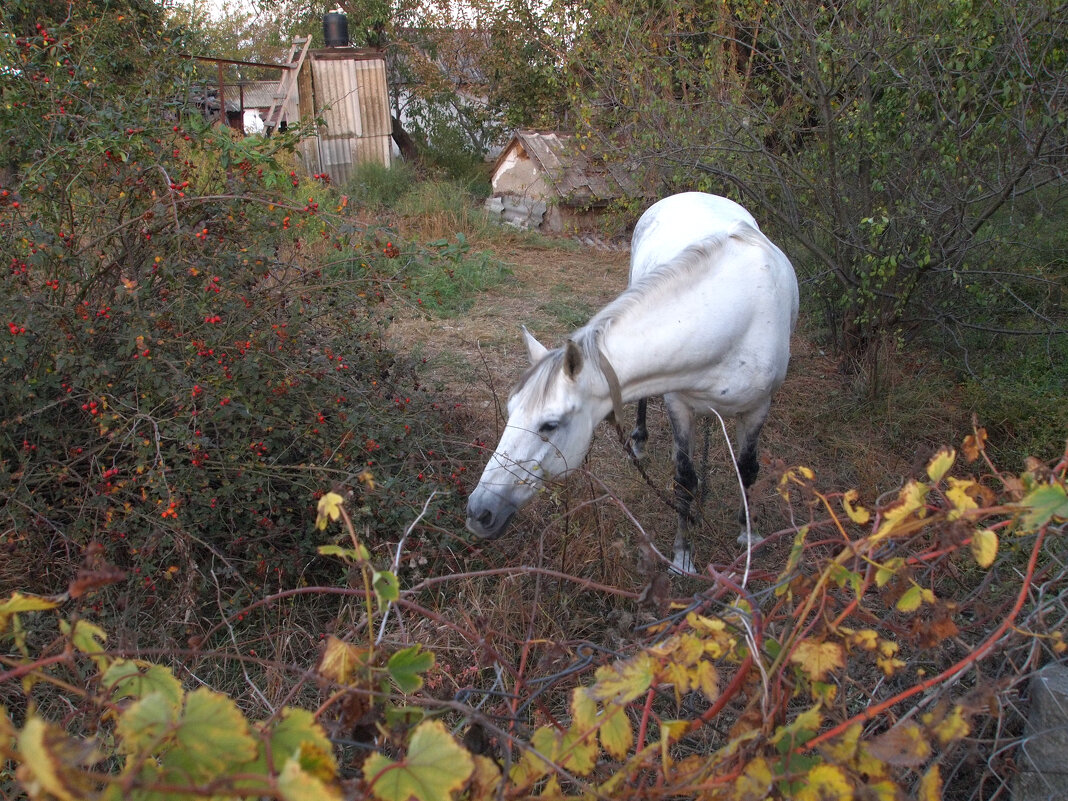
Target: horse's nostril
pixel 485 518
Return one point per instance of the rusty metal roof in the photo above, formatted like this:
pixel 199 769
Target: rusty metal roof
pixel 576 178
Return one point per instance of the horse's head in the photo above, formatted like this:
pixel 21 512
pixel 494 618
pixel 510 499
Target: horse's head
pixel 551 417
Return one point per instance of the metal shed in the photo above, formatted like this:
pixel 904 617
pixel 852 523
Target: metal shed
pixel 346 88
pixel 546 180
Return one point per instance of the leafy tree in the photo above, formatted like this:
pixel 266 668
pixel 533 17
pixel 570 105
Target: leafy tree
pixel 881 136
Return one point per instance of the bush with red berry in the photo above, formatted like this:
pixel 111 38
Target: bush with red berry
pixel 181 377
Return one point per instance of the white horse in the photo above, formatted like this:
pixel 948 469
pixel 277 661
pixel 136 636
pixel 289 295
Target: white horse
pixel 705 321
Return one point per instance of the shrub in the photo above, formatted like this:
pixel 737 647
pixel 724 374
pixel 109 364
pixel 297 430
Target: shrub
pixel 180 382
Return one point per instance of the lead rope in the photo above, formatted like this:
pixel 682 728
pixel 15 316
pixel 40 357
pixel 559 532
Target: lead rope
pixel 617 414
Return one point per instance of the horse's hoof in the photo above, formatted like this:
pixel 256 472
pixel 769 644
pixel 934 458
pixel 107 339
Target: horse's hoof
pixel 636 443
pixel 682 565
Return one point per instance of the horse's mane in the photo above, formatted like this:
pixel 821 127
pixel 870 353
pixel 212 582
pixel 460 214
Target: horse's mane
pixel 685 265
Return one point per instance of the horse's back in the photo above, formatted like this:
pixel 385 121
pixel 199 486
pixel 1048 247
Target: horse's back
pixel 671 225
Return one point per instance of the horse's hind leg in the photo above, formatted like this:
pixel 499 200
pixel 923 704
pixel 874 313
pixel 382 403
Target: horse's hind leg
pixel 640 433
pixel 749 427
pixel 685 481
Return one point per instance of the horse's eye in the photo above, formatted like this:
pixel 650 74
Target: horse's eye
pixel 549 427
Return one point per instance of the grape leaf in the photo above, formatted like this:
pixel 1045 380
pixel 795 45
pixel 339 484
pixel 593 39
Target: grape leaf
pixel 136 679
pixel 405 666
pixel 623 681
pixel 435 767
pixel 212 738
pixel 616 734
pixel 342 661
pixel 818 659
pixel 1043 504
pixel 296 784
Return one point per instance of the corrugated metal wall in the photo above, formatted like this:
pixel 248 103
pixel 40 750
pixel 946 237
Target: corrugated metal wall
pixel 350 94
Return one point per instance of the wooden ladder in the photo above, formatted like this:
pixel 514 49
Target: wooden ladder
pixel 288 82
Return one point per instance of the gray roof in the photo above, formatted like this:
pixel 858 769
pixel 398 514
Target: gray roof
pixel 570 171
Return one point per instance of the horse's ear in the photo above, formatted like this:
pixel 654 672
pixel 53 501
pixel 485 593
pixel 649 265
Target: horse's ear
pixel 535 349
pixel 572 360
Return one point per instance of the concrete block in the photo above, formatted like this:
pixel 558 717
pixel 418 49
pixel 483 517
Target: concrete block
pixel 1043 755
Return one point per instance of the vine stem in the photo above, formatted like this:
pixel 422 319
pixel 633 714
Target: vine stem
pixel 972 658
pixel 646 711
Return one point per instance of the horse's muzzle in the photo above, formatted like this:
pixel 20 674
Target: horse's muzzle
pixel 488 524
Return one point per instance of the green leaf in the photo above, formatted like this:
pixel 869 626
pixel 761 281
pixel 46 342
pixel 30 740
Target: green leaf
pixel 434 768
pixel 145 725
pixel 88 639
pixel 616 733
pixel 405 666
pixel 136 679
pixel 911 600
pixel 358 554
pixel 1043 504
pixel 296 784
pixel 293 732
pixel 211 739
pixel 386 586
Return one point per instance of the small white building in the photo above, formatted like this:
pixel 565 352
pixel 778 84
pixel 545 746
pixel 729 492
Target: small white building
pixel 546 180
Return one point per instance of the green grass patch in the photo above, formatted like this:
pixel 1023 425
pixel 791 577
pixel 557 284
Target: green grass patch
pixel 447 275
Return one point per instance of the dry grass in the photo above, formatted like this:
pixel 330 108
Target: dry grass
pixel 590 529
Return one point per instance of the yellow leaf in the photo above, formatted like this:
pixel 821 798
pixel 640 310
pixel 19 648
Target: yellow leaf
pixel 930 787
pixel 583 710
pixel 623 681
pixel 984 547
pixel 329 509
pixel 50 763
pixel 707 680
pixel 887 659
pixel 795 475
pixel 959 497
pixel 434 768
pixel 825 783
pixel 755 782
pixel 911 600
pixel 577 754
pixel 18 602
pixel 888 570
pixel 974 444
pixel 616 734
pixel 671 730
pixel 867 639
pixel 952 727
pixel 909 500
pixel 940 464
pixel 817 658
pixel 485 779
pixel 858 514
pixel 341 661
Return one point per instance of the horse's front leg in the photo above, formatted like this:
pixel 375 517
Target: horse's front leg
pixel 681 417
pixel 640 434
